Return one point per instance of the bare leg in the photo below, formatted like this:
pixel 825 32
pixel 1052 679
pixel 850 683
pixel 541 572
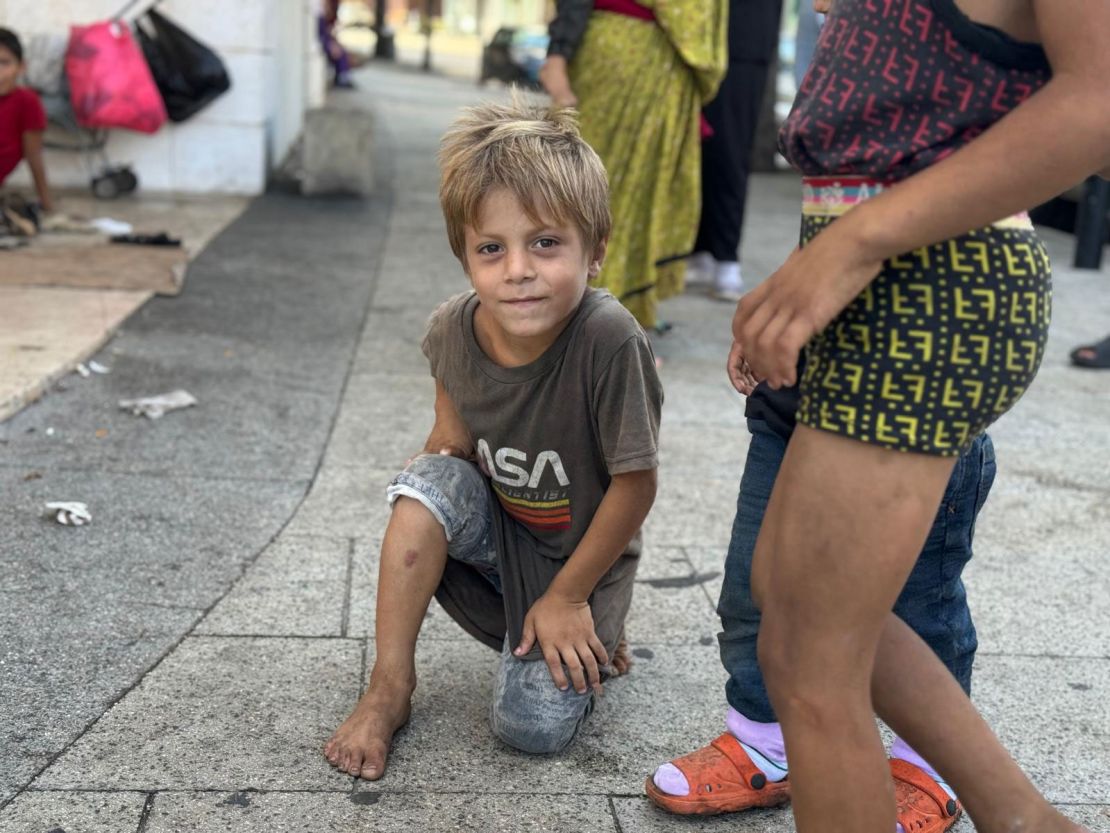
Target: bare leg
pixel 414 553
pixel 911 690
pixel 846 523
pixel 843 528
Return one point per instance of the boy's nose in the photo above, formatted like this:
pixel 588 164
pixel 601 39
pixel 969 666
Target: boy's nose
pixel 518 266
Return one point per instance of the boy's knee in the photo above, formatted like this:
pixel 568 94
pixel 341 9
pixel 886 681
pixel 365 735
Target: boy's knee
pixel 521 727
pixel 453 490
pixel 445 472
pixel 530 714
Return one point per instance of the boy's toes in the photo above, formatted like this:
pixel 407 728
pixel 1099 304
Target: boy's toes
pixel 373 763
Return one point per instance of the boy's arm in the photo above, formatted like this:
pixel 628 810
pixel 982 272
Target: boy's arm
pixel 560 620
pixel 449 435
pixel 32 152
pixel 1057 138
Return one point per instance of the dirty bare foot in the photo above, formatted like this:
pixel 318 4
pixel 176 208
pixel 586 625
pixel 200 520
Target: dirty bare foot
pixel 361 745
pixel 622 659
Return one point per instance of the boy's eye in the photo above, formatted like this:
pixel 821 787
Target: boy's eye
pixel 488 249
pixel 547 242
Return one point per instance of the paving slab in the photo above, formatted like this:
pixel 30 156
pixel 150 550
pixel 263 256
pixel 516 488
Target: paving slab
pixel 272 432
pixel 385 420
pixel 669 605
pixel 377 810
pixel 1035 565
pixel 683 450
pixel 46 331
pixel 641 816
pixel 391 341
pixel 708 560
pixel 222 713
pixel 296 587
pixel 1094 817
pixel 1051 715
pixel 692 511
pixel 345 502
pixel 88 610
pixel 634 814
pixel 77 812
pixel 632 730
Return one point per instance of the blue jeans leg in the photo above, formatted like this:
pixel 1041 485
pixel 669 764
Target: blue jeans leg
pixel 933 602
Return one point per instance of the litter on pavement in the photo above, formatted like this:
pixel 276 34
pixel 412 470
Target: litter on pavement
pixel 69 513
pixel 87 369
pixel 109 225
pixel 155 406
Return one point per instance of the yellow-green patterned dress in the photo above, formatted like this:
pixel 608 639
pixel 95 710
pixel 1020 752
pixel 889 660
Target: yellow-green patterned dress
pixel 641 85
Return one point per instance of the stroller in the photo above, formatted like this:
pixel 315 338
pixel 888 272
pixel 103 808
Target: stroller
pixel 46 75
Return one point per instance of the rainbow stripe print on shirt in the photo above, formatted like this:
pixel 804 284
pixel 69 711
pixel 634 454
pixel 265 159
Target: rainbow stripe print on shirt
pixel 541 515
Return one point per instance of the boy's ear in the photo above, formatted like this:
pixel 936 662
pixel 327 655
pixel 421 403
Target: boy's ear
pixel 598 258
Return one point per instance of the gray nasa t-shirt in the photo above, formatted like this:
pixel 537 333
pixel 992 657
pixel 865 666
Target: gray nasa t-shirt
pixel 549 436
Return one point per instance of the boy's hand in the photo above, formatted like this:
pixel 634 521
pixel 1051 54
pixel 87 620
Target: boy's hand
pixel 739 371
pixel 554 77
pixel 565 630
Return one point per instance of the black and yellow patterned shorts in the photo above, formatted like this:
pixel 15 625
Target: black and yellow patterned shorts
pixel 943 342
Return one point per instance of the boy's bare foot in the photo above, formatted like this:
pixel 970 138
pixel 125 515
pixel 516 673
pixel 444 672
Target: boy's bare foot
pixel 361 745
pixel 622 659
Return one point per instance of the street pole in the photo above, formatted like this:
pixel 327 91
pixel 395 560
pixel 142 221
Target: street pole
pixel 426 31
pixel 1090 223
pixel 383 38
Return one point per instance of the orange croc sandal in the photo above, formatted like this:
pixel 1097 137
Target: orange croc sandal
pixel 722 779
pixel 923 805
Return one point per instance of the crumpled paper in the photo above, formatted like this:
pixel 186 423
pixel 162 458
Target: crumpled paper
pixel 70 513
pixel 110 226
pixel 155 406
pixel 86 370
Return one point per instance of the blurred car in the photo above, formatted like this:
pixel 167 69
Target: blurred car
pixel 514 55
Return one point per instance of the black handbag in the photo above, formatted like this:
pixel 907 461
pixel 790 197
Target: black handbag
pixel 189 75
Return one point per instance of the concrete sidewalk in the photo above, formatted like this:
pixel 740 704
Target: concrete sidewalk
pixel 177 665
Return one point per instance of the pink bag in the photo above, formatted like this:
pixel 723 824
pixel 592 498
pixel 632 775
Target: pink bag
pixel 110 84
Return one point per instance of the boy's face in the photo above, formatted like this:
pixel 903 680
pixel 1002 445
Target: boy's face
pixel 530 277
pixel 10 70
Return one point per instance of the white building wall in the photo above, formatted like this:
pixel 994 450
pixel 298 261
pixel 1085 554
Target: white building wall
pixel 270 50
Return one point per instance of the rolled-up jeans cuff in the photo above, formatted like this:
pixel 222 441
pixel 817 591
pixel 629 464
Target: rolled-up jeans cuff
pixel 402 487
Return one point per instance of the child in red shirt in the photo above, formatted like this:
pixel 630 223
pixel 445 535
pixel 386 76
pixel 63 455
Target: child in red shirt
pixel 22 119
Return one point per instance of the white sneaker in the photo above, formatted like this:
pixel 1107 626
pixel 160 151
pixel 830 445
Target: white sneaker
pixel 728 285
pixel 700 269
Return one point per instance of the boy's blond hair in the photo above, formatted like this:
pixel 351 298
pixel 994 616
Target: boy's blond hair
pixel 534 152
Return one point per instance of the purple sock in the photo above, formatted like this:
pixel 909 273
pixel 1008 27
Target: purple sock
pixel 765 737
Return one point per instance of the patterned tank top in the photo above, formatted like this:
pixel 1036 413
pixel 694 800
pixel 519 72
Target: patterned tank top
pixel 897 85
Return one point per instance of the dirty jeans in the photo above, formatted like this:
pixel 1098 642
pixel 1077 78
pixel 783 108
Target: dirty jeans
pixel 933 601
pixel 528 712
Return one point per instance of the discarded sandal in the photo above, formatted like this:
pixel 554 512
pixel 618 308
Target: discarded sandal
pixel 1092 355
pixel 923 805
pixel 722 779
